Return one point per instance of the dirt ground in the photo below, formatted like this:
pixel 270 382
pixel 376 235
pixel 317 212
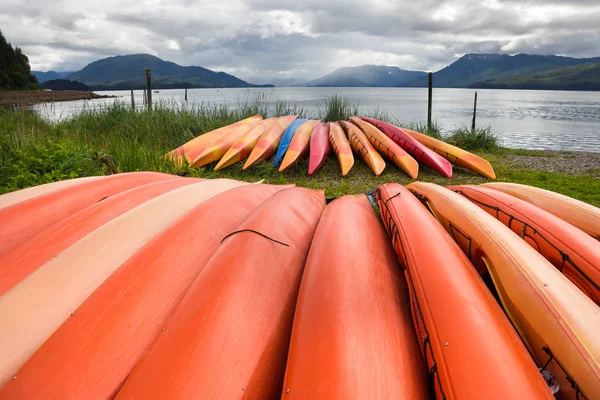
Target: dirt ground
pixel 21 99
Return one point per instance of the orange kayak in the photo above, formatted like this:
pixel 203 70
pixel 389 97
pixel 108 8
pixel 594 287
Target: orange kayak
pixel 22 220
pixel 361 145
pixel 454 313
pixel 353 336
pixel 557 322
pixel 386 146
pixel 32 310
pixel 25 258
pixel 243 146
pixel 197 145
pixel 93 352
pixel 579 214
pixel 229 335
pixel 219 147
pixel 572 251
pixel 8 199
pixel 455 155
pixel 341 147
pixel 299 144
pixel 269 141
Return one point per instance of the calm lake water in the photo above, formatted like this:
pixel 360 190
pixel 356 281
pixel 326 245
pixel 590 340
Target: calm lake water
pixel 522 118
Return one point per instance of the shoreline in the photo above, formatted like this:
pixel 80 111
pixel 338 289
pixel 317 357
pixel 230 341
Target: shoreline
pixel 22 99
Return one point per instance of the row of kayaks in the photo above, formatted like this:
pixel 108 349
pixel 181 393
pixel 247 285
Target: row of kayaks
pixel 152 286
pixel 289 139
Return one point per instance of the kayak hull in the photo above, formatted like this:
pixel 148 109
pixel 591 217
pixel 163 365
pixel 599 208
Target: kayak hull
pixel 361 145
pixel 124 315
pixel 455 315
pixel 243 146
pixel 269 141
pixel 352 329
pixel 341 147
pixel 386 146
pixel 455 155
pixel 556 321
pixel 420 152
pixel 286 140
pixel 229 335
pixel 577 213
pixel 320 148
pixel 299 144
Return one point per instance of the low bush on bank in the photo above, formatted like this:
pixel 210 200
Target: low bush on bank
pixel 478 139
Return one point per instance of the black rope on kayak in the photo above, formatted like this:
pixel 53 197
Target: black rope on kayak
pixel 565 257
pixel 455 229
pixel 574 385
pixel 104 198
pixel 394 234
pixel 258 233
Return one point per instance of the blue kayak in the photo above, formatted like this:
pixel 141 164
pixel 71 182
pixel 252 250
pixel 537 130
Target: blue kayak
pixel 286 140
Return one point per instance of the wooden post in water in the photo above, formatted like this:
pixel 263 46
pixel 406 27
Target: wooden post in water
pixel 149 86
pixel 429 101
pixel 474 112
pixel 185 94
pixel 132 101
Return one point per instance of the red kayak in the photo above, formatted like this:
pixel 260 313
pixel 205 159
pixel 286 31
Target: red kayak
pixel 420 152
pixel 320 148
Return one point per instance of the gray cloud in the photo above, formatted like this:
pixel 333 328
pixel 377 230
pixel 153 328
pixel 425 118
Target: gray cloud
pixel 266 39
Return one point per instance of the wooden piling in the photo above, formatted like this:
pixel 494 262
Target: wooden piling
pixel 149 86
pixel 132 101
pixel 429 101
pixel 474 112
pixel 185 94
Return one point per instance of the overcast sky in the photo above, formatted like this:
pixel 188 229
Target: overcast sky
pixel 263 39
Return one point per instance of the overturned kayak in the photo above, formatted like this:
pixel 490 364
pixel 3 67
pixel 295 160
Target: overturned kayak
pixel 243 146
pixel 269 141
pixel 361 145
pixel 386 146
pixel 352 336
pixel 93 352
pixel 28 256
pixel 579 214
pixel 26 218
pixel 197 145
pixel 320 148
pixel 420 152
pixel 455 315
pixel 229 335
pixel 299 144
pixel 286 139
pixel 455 155
pixel 341 147
pixel 557 322
pixel 220 146
pixel 572 251
pixel 32 310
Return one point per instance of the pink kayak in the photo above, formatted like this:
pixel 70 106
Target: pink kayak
pixel 320 148
pixel 420 152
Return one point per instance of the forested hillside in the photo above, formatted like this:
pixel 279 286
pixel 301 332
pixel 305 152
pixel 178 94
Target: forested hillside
pixel 15 72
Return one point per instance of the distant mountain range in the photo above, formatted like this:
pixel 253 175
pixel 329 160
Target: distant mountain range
pixel 127 72
pixel 471 70
pixel 366 75
pixel 49 76
pixel 577 77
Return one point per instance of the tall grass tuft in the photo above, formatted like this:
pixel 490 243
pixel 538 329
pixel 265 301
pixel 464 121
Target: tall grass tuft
pixel 479 139
pixel 336 108
pixel 434 131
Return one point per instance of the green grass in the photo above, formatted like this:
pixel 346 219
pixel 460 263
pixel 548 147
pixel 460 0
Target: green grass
pixel 478 139
pixel 116 139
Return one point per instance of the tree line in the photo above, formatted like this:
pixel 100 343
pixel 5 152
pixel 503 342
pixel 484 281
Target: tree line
pixel 15 72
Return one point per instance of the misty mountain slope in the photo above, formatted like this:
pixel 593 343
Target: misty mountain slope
pixel 473 68
pixel 366 75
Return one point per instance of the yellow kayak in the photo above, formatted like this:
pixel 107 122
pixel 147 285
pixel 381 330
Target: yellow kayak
pixel 361 145
pixel 299 144
pixel 244 145
pixel 455 155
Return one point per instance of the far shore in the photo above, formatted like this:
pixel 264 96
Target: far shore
pixel 21 99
